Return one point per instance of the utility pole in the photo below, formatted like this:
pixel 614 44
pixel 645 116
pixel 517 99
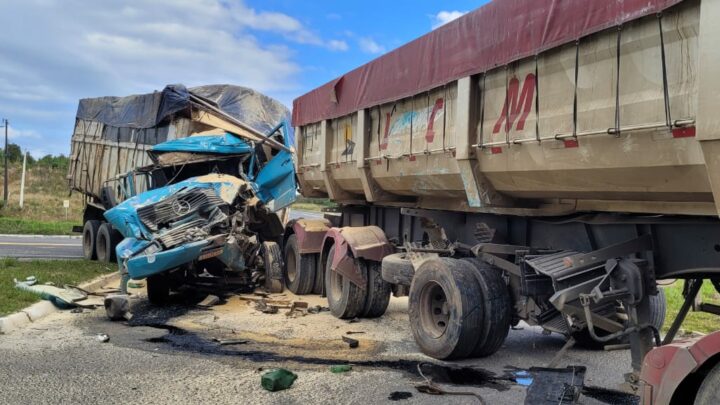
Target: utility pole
pixel 22 181
pixel 5 194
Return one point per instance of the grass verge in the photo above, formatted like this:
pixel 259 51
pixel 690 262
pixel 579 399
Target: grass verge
pixel 313 204
pixel 695 321
pixel 59 272
pixel 31 227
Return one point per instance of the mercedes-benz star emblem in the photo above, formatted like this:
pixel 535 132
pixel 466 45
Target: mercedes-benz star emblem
pixel 181 207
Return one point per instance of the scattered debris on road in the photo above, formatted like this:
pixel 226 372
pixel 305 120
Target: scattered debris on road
pixel 117 307
pixel 278 379
pixel 340 368
pixel 63 298
pixel 227 342
pixel 209 301
pixel 102 338
pixel 352 343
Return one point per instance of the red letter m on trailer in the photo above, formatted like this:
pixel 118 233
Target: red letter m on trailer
pixel 515 105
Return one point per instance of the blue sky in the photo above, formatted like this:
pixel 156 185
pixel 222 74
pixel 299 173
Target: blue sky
pixel 55 52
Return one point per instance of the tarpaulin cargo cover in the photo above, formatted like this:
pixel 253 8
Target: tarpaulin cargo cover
pixel 256 110
pixel 493 35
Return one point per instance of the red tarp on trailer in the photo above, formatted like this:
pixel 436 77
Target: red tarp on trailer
pixel 493 35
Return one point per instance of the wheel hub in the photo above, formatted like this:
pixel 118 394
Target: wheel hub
pixel 435 309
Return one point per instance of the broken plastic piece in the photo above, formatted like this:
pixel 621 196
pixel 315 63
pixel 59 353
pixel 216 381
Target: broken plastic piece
pixel 340 368
pixel 278 380
pixel 102 338
pixel 225 342
pixel 209 301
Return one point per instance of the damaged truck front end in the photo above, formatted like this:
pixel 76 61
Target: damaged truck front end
pixel 213 216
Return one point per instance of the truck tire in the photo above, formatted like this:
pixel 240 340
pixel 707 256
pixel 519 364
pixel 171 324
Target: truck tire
pixel 105 242
pixel 345 299
pixel 90 231
pixel 319 286
pixel 378 291
pixel 397 269
pixel 272 259
pixel 299 274
pixel 658 307
pixel 496 308
pixel 158 289
pixel 445 308
pixel 708 393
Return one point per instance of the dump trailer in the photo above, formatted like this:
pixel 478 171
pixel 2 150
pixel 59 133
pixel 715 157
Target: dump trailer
pixel 114 135
pixel 532 160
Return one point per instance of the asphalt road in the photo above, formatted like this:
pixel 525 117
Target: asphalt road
pixel 63 247
pixel 167 355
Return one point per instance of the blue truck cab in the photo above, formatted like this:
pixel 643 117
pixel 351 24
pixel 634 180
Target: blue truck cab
pixel 213 207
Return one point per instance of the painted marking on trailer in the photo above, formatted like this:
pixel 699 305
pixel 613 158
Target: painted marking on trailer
pixel 430 134
pixel 517 102
pixel 495 150
pixel 571 143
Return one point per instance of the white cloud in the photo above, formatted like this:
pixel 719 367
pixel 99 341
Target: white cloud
pixel 337 45
pixel 85 48
pixel 444 17
pixel 368 45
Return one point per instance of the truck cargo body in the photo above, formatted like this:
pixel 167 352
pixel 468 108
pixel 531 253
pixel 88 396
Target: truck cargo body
pixel 558 149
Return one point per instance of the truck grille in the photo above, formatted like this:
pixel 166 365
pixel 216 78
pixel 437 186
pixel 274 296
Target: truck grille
pixel 182 205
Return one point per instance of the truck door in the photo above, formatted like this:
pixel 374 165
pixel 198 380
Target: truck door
pixel 275 182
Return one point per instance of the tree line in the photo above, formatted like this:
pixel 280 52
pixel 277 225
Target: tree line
pixel 15 155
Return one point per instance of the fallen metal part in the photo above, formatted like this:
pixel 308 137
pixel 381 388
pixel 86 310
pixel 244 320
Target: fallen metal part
pixel 555 360
pixel 209 301
pixel 77 310
pixel 432 389
pixel 278 303
pixel 352 343
pixel 351 332
pixel 226 342
pixel 117 307
pixel 102 338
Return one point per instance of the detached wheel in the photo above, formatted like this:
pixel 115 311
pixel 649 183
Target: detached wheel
pixel 345 299
pixel 90 231
pixel 496 307
pixel 378 291
pixel 299 274
pixel 105 243
pixel 708 393
pixel 444 307
pixel 158 289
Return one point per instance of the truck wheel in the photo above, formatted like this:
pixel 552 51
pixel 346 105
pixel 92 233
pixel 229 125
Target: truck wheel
pixel 397 269
pixel 378 291
pixel 319 286
pixel 158 289
pixel 105 243
pixel 708 393
pixel 272 259
pixel 444 307
pixel 299 271
pixel 658 307
pixel 345 299
pixel 90 231
pixel 496 306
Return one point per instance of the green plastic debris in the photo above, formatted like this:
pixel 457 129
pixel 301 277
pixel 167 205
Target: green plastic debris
pixel 278 380
pixel 341 368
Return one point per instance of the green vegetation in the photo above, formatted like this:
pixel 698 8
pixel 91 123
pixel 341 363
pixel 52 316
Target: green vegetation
pixel 59 272
pixel 30 227
pixel 695 321
pixel 313 204
pixel 45 190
